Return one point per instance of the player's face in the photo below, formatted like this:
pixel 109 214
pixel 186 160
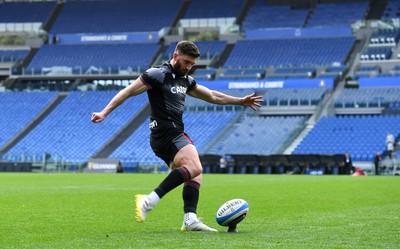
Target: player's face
pixel 183 63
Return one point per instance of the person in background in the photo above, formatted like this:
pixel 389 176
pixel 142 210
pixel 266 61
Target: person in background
pixel 389 144
pixel 348 164
pixel 222 164
pixel 377 159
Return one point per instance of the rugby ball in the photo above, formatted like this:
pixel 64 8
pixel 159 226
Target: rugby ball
pixel 232 212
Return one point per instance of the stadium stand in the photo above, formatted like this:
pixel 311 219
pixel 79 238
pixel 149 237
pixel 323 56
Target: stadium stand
pixel 299 52
pixel 92 58
pixel 197 123
pixel 212 8
pixel 361 135
pixel 262 15
pixel 385 36
pixel 19 109
pixel 115 17
pixel 25 12
pixel 13 55
pixel 293 96
pixel 368 97
pixel 376 53
pixel 338 14
pixel 257 135
pixel 68 131
pixel 362 51
pixel 208 49
pixel 392 10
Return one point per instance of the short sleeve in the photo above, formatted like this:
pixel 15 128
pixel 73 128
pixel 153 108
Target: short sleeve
pixel 153 77
pixel 192 84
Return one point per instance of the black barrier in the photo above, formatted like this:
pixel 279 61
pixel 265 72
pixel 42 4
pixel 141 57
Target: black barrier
pixel 15 167
pixel 210 163
pixel 275 164
pixel 246 163
pixel 280 164
pixel 264 164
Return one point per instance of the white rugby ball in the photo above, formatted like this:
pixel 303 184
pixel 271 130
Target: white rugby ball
pixel 232 212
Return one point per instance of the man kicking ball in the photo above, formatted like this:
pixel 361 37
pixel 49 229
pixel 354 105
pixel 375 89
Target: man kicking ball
pixel 166 87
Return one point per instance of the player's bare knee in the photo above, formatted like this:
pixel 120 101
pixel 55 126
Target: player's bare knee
pixel 194 170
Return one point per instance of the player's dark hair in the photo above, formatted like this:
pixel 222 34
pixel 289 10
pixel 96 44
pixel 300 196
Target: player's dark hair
pixel 188 48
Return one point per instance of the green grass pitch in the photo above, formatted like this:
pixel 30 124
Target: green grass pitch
pixel 286 211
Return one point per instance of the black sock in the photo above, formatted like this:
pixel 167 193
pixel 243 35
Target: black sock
pixel 190 196
pixel 173 180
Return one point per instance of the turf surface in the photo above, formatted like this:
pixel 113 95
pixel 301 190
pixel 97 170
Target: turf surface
pixel 286 211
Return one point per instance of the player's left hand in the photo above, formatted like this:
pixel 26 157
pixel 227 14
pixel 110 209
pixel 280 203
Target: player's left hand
pixel 252 101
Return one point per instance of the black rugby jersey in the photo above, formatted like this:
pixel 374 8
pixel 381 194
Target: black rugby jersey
pixel 167 96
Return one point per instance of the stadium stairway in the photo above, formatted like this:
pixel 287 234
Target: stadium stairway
pixel 224 55
pixel 181 13
pixel 29 57
pixel 229 127
pixel 39 118
pixel 124 133
pixel 243 12
pixel 56 11
pixel 298 139
pixel 376 9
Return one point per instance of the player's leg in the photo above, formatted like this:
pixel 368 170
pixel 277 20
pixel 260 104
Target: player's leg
pixel 145 203
pixel 184 168
pixel 188 157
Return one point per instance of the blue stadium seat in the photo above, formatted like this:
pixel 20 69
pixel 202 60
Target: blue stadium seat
pixel 115 16
pixel 68 130
pixel 300 52
pixel 18 109
pixel 87 57
pixel 26 12
pixel 338 14
pixel 361 135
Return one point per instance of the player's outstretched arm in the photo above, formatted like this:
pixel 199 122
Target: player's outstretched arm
pixel 137 87
pixel 216 97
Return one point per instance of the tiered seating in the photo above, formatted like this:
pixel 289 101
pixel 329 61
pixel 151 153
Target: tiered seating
pixel 18 109
pixel 213 9
pixel 79 58
pixel 258 135
pixel 293 96
pixel 12 55
pixel 395 106
pixel 361 135
pixel 395 71
pixel 293 73
pixel 25 12
pixel 204 74
pixel 367 97
pixel 392 10
pixel 337 14
pixel 115 16
pixel 137 148
pixel 301 52
pixel 376 53
pixel 261 15
pixel 331 72
pixel 242 74
pixel 385 36
pixel 208 49
pixel 366 71
pixel 194 104
pixel 68 130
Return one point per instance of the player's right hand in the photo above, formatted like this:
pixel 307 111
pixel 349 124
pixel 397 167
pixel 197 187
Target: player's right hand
pixel 97 117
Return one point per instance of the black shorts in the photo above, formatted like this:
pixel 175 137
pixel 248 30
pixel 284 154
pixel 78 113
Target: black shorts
pixel 166 149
